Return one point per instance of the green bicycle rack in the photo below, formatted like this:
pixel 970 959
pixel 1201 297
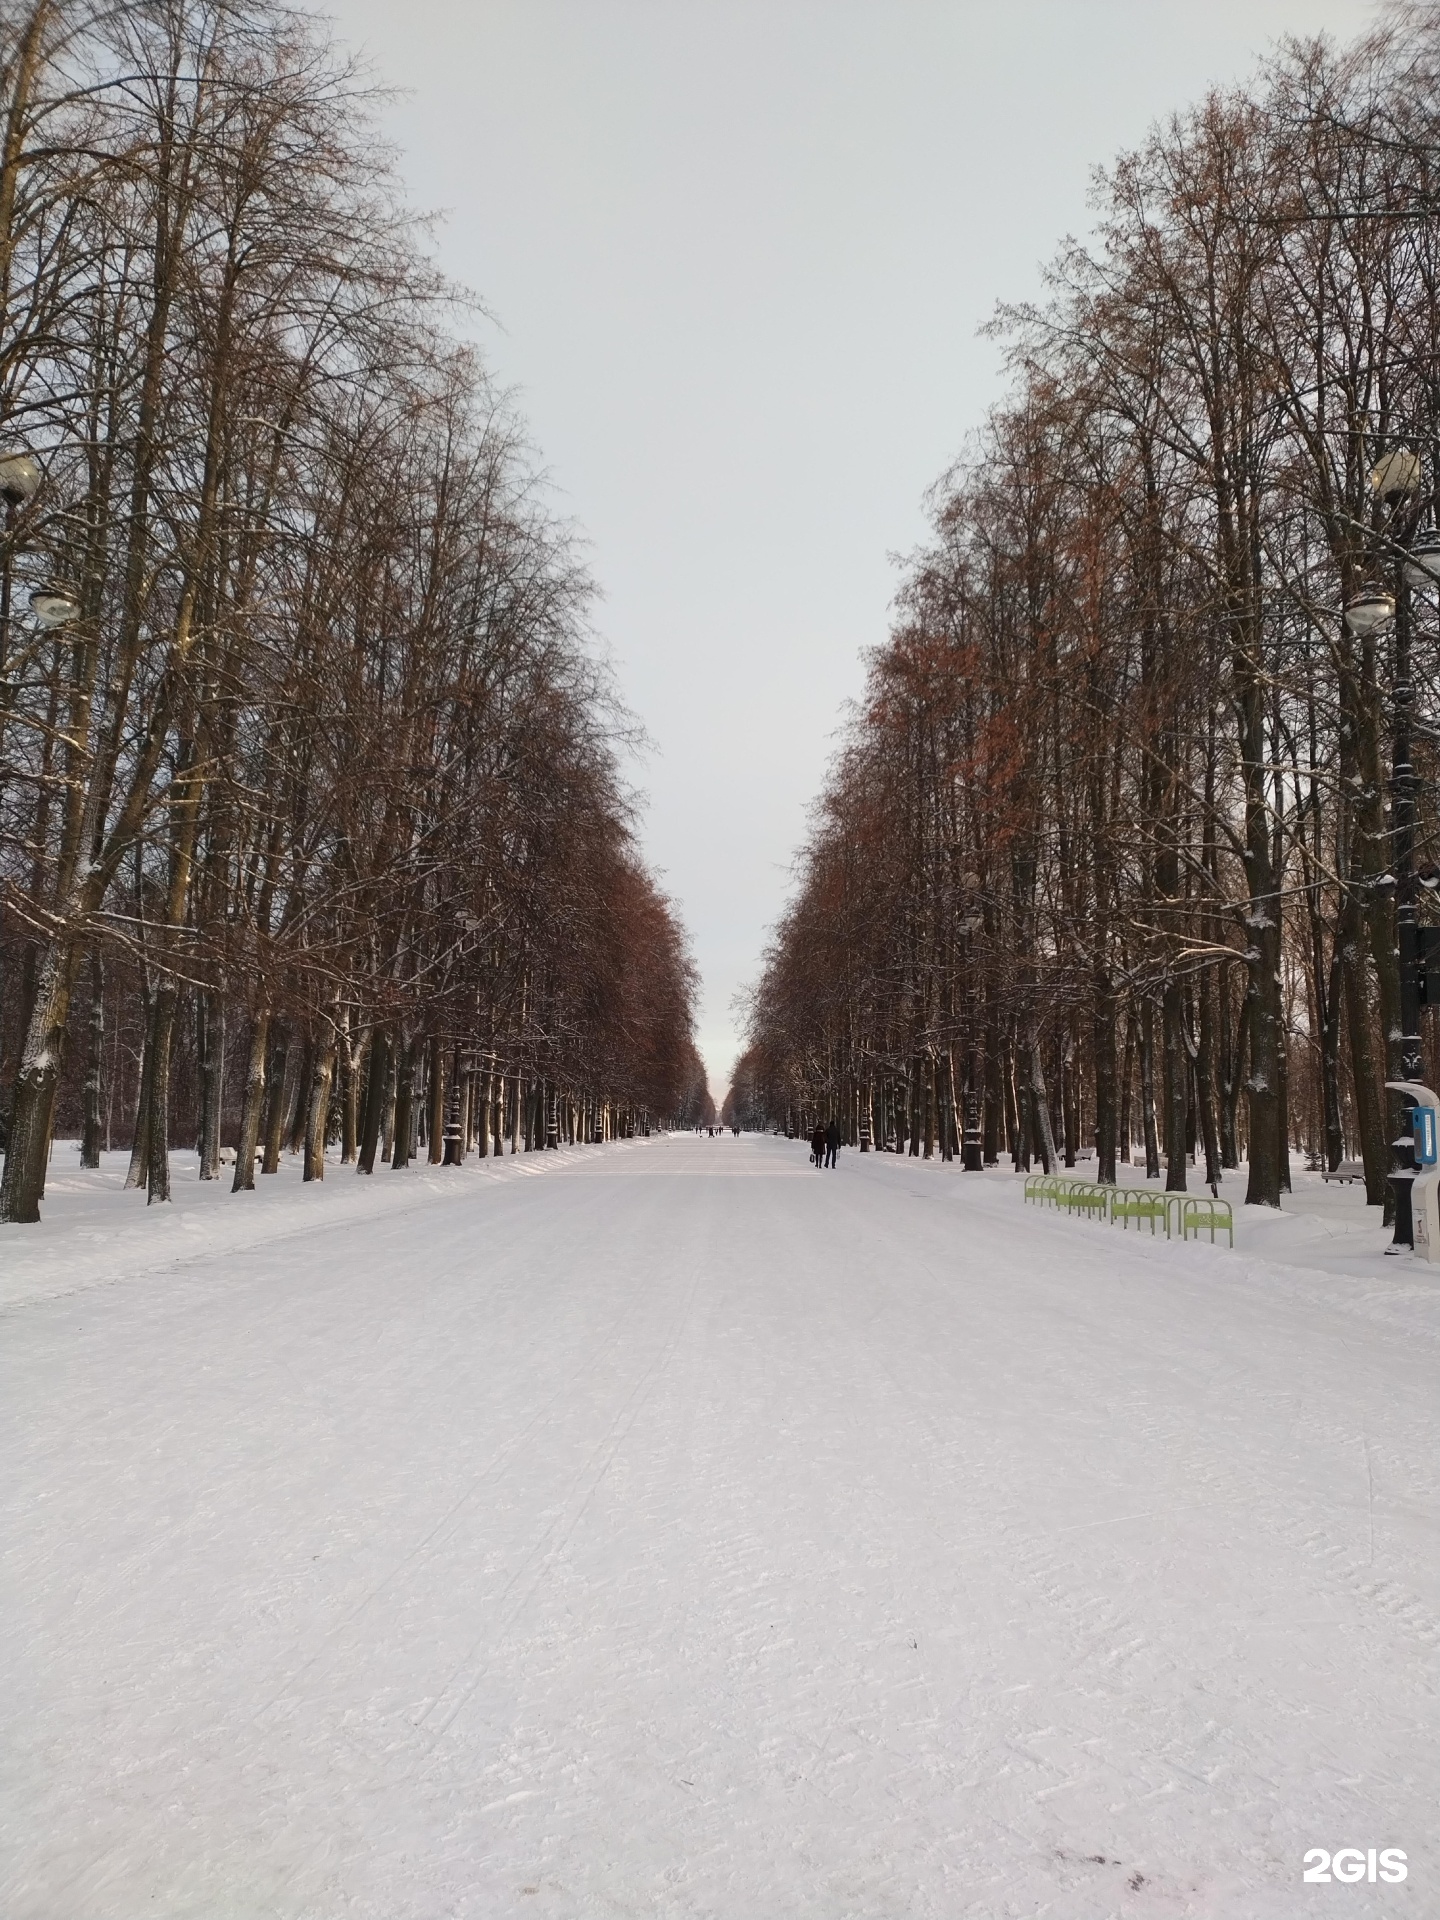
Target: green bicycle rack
pixel 1178 1214
pixel 1196 1216
pixel 1134 1203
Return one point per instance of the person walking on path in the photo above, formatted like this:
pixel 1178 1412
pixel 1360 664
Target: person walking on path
pixel 817 1145
pixel 832 1143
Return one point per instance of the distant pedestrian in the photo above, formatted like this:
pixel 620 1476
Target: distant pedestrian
pixel 832 1143
pixel 817 1146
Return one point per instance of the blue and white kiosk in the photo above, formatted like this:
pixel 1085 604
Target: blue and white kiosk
pixel 1425 1192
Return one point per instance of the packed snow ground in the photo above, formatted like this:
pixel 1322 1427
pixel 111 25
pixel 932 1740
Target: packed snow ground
pixel 672 1529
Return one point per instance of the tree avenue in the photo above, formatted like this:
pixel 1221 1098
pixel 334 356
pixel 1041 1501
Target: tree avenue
pixel 1113 851
pixel 312 825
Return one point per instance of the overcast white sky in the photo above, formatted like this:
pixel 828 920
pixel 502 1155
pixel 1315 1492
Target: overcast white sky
pixel 737 254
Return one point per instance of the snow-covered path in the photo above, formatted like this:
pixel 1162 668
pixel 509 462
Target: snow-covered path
pixel 686 1532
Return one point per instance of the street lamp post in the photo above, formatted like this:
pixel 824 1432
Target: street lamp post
pixel 1419 946
pixel 1396 483
pixel 971 1154
pixel 1402 800
pixel 19 483
pixel 1370 609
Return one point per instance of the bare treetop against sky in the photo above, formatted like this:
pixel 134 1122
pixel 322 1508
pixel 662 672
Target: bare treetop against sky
pixel 737 256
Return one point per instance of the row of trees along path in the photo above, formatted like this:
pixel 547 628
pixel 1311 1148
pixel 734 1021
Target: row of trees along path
pixel 1109 853
pixel 311 817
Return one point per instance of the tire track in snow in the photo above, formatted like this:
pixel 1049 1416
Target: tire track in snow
pixel 471 1670
pixel 444 1528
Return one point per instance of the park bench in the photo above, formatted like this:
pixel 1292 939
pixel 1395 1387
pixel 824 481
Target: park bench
pixel 1198 1215
pixel 1346 1171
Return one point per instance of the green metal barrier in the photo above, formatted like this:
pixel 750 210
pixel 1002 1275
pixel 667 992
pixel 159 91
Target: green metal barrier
pixel 1046 1188
pixel 1134 1203
pixel 1197 1215
pixel 1087 1198
pixel 1177 1213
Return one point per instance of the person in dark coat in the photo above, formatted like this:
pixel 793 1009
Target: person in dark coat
pixel 832 1143
pixel 817 1145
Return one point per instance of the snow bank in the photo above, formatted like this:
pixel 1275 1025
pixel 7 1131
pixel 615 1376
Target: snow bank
pixel 675 1529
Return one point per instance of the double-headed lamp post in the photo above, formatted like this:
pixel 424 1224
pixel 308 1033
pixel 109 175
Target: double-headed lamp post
pixel 1370 610
pixel 55 604
pixel 1419 946
pixel 1396 482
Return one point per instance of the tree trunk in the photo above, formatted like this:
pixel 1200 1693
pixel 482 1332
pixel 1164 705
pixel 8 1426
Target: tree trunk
pixel 1105 1075
pixel 298 1121
pixel 457 1117
pixel 400 1146
pixel 1040 1103
pixel 1016 1123
pixel 1177 1084
pixel 162 1033
pixel 349 1091
pixel 1282 1083
pixel 1069 1101
pixel 138 1172
pixel 467 1095
pixel 1234 1079
pixel 387 1126
pixel 317 1110
pixel 377 1088
pixel 212 1083
pixel 252 1112
pixel 33 1111
pixel 1365 1075
pixel 1147 1089
pixel 1127 1078
pixel 1205 1078
pixel 1334 1149
pixel 436 1114
pixel 280 1073
pixel 94 1068
pixel 1262 1085
pixel 993 1121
